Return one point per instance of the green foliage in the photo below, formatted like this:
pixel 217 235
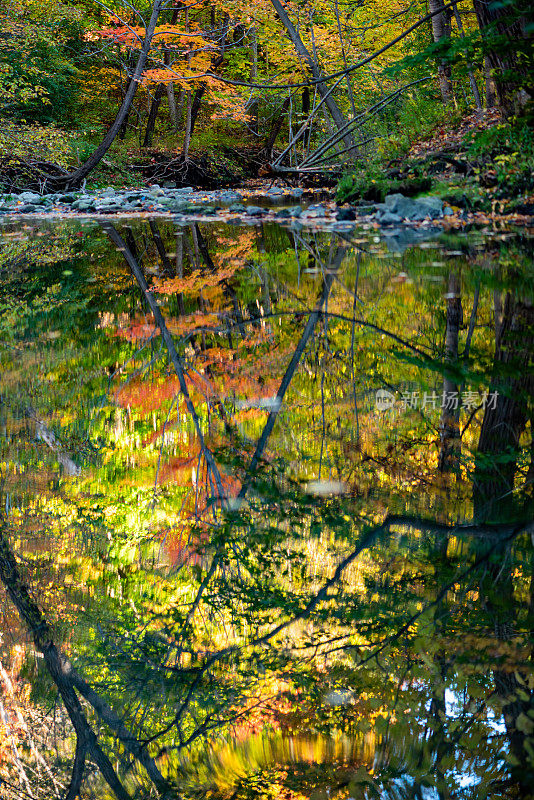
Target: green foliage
pixel 506 155
pixel 46 143
pixel 38 72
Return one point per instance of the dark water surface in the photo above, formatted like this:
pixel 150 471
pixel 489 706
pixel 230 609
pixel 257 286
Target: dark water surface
pixel 270 491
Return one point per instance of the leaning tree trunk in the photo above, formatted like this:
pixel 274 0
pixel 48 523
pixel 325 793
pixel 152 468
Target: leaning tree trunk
pixel 72 179
pixel 322 88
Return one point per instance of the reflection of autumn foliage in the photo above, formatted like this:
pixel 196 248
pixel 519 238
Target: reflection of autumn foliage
pixel 147 396
pixel 194 283
pixel 141 328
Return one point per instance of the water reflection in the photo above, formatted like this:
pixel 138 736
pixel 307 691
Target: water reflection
pixel 270 492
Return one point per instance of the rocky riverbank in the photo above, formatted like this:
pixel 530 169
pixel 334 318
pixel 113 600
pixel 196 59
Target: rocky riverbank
pixel 292 205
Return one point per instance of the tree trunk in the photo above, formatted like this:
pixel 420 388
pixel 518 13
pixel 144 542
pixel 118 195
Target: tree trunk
pixel 441 29
pixel 75 178
pixel 215 64
pixel 254 105
pixel 322 88
pixel 470 70
pixel 511 64
pixel 171 99
pixel 152 115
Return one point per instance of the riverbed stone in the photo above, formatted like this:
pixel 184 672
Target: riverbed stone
pixel 254 211
pixel 410 209
pixel 29 197
pixel 389 218
pixel 433 205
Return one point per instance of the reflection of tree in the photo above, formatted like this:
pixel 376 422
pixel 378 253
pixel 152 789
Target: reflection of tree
pixel 505 420
pixel 450 415
pixel 286 599
pixel 513 686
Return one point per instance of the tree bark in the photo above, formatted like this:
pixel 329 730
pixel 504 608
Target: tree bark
pixel 441 29
pixel 511 65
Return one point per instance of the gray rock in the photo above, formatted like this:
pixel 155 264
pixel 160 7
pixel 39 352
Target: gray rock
pixel 109 192
pixel 67 198
pixel 295 211
pixel 84 204
pixel 169 185
pixel 29 197
pixel 413 210
pixel 254 211
pixel 156 191
pixel 185 189
pixel 400 205
pixel 448 212
pixel 367 208
pixel 388 218
pixel 399 239
pixel 284 213
pixel 237 208
pixel 27 208
pixel 432 205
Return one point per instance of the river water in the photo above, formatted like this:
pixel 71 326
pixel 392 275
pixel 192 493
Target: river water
pixel 270 489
